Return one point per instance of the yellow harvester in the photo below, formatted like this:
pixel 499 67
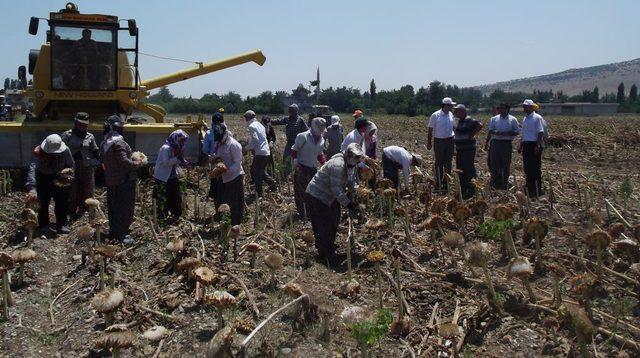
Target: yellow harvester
pixel 89 63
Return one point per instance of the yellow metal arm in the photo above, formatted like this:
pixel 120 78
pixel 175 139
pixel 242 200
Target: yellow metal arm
pixel 203 69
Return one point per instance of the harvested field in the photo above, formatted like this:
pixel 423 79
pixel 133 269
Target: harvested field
pixel 570 293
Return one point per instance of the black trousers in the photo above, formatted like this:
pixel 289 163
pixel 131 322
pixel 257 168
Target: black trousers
pixel 465 161
pixel 215 190
pixel 443 153
pixel 301 178
pixel 169 198
pixel 259 173
pixel 46 191
pixel 324 222
pixel 121 203
pixel 500 152
pixel 532 163
pixel 233 195
pixel 390 170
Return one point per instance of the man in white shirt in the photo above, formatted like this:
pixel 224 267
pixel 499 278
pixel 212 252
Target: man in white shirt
pixel 396 158
pixel 441 126
pixel 357 134
pixel 531 148
pixel 503 128
pixel 307 154
pixel 259 146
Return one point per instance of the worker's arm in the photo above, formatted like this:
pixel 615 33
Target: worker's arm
pixel 429 138
pixel 236 158
pixel 337 185
pixel 165 159
pixel 280 122
pixel 31 175
pixel 477 129
pixel 122 157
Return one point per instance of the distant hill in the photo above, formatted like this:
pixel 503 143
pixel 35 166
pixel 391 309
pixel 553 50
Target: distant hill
pixel 574 81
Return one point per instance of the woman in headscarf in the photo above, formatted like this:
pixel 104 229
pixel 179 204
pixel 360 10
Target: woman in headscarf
pixel 333 137
pixel 370 148
pixel 167 189
pixel 307 154
pixel 85 152
pixel 229 151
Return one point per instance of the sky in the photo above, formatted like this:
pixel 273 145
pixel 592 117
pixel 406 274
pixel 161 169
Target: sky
pixel 464 42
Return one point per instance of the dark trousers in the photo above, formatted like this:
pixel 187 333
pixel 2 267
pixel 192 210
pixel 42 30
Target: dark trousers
pixel 390 170
pixel 500 152
pixel 259 173
pixel 233 195
pixel 215 190
pixel 168 198
pixel 324 222
pixel 532 163
pixel 443 153
pixel 465 161
pixel 301 178
pixel 121 202
pixel 82 188
pixel 46 191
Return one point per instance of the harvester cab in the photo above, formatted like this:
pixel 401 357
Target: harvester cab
pixel 89 63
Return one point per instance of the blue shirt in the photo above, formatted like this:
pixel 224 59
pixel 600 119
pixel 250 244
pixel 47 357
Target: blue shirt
pixel 507 124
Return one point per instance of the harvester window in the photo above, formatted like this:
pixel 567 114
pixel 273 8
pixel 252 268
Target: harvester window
pixel 83 58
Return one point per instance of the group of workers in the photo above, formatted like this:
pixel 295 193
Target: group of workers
pixel 326 164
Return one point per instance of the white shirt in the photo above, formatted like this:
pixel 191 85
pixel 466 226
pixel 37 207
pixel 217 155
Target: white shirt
pixel 401 157
pixel 507 124
pixel 307 149
pixel 532 125
pixel 353 137
pixel 231 154
pixel 165 163
pixel 258 138
pixel 442 124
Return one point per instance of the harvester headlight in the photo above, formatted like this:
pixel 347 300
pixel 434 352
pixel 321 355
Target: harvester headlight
pixel 39 94
pixel 133 94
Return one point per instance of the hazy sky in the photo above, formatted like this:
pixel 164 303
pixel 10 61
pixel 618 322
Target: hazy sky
pixel 396 42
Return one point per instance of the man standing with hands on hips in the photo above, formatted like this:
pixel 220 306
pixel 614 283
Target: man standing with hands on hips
pixel 531 149
pixel 441 128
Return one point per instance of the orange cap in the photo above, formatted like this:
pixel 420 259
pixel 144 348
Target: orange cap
pixel 357 113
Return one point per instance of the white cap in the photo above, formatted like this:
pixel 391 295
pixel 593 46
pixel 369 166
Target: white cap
pixel 53 144
pixel 335 119
pixel 527 102
pixel 249 114
pixel 448 100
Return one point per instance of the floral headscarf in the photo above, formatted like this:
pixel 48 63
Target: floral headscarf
pixel 175 139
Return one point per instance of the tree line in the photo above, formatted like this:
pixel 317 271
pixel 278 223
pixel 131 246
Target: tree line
pixel 406 100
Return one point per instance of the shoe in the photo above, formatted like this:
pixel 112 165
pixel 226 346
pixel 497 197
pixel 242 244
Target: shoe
pixel 63 230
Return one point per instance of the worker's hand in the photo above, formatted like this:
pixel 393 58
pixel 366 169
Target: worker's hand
pixel 32 195
pixel 429 146
pixel 537 148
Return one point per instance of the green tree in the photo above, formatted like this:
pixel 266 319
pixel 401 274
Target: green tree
pixel 596 95
pixel 164 94
pixel 7 83
pixel 372 91
pixel 620 96
pixel 633 93
pixel 301 94
pixel 435 93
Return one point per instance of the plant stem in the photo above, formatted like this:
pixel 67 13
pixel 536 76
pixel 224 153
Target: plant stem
pixel 511 246
pixel 101 264
pixel 29 237
pixel 5 295
pixel 252 262
pixel 399 290
pixel 20 275
pixel 220 318
pixel 379 281
pixel 599 258
pixel 527 285
pixel 407 228
pixel 116 353
pixel 492 291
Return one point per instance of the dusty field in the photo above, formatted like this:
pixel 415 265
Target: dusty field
pixel 590 160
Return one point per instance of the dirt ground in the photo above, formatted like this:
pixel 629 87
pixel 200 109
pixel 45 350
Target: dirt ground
pixel 588 162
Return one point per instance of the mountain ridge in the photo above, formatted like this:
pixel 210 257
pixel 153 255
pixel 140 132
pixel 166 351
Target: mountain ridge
pixel 573 81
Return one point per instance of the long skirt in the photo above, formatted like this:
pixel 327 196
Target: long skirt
pixel 121 202
pixel 233 195
pixel 301 178
pixel 46 191
pixel 169 198
pixel 82 188
pixel 324 222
